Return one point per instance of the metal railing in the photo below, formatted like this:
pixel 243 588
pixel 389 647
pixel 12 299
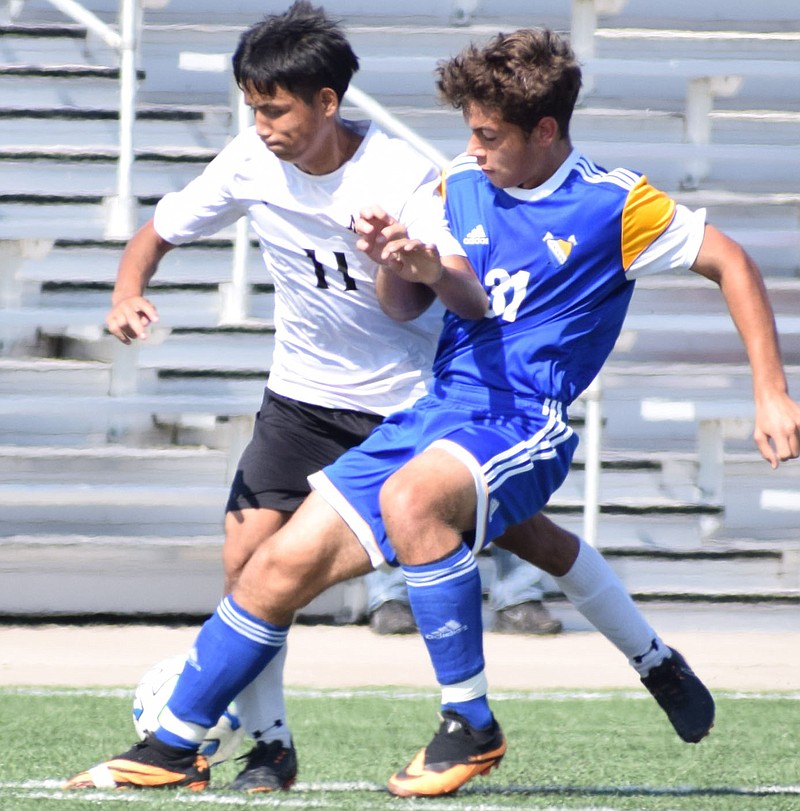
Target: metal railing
pixel 121 208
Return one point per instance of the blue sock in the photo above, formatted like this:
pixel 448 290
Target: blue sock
pixel 445 597
pixel 232 648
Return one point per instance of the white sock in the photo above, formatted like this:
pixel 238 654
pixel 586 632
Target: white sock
pixel 261 706
pixel 595 590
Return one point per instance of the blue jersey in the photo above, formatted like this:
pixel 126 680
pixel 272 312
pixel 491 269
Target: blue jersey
pixel 554 261
pixel 558 263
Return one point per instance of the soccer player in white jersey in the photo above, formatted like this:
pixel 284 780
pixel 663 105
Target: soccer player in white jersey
pixel 556 243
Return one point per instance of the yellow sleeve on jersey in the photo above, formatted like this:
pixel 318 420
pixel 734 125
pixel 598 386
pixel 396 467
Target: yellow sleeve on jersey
pixel 646 215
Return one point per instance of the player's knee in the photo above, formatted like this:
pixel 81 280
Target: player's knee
pixel 285 571
pixel 404 501
pixel 412 515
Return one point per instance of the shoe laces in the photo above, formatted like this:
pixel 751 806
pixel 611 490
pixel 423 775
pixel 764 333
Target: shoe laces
pixel 668 681
pixel 272 752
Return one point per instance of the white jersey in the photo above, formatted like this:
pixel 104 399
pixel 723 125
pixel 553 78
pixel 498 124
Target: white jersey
pixel 334 346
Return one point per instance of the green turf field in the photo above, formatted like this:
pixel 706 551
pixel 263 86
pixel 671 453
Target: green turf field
pixel 590 752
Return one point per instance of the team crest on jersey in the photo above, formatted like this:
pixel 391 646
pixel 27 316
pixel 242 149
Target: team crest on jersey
pixel 559 248
pixel 477 236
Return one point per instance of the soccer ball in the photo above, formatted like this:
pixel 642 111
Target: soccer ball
pixel 151 696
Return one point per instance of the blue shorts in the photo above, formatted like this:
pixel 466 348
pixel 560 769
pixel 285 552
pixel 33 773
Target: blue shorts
pixel 519 455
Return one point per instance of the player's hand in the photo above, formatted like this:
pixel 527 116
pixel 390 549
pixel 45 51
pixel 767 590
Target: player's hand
pixel 386 241
pixel 129 318
pixel 777 430
pixel 375 227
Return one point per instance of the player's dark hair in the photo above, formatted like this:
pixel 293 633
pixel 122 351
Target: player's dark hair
pixel 301 51
pixel 525 76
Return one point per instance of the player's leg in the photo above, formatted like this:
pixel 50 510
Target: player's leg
pixel 271 763
pixel 591 585
pixel 473 480
pixel 290 440
pixel 430 478
pixel 427 506
pixel 268 486
pixel 311 553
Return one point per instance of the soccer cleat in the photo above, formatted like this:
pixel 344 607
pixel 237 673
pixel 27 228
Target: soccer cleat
pixel 683 697
pixel 456 754
pixel 148 764
pixel 268 767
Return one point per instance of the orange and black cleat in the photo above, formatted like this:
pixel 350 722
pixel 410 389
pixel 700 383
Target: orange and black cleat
pixel 148 764
pixel 456 754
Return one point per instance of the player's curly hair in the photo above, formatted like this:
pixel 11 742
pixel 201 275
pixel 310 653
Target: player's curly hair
pixel 525 76
pixel 301 51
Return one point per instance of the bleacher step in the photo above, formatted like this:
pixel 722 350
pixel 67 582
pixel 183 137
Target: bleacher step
pixel 134 574
pixel 123 465
pixel 145 574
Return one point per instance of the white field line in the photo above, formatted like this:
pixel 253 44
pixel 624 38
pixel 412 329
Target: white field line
pixel 401 694
pixel 51 790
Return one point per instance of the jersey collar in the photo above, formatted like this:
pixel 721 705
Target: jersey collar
pixel 550 185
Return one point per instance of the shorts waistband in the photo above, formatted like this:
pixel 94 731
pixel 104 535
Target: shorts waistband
pixel 493 399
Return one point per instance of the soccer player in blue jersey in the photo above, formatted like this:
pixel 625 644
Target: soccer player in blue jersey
pixel 556 243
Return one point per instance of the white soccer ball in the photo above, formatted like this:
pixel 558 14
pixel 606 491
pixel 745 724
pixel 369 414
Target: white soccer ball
pixel 151 696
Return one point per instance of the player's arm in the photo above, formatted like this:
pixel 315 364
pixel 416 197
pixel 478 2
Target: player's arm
pixel 411 274
pixel 777 425
pixel 131 313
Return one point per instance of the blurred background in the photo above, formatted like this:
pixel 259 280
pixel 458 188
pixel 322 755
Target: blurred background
pixel 115 461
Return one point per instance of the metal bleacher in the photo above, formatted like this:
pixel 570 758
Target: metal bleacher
pixel 114 461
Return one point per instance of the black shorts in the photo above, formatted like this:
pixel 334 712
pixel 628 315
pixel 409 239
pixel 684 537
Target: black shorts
pixel 290 441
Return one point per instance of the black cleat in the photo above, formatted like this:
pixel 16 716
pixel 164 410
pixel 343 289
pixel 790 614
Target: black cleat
pixel 455 755
pixel 268 767
pixel 683 697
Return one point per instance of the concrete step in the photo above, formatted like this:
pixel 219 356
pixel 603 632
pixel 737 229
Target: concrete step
pixel 96 130
pixel 94 178
pixel 591 123
pixel 124 465
pixel 754 573
pixel 690 294
pixel 694 337
pixel 77 85
pixel 633 42
pixel 185 305
pixel 139 574
pixel 153 575
pixel 201 262
pixel 672 532
pixel 112 510
pixel 53 44
pixel 47 217
pixel 51 377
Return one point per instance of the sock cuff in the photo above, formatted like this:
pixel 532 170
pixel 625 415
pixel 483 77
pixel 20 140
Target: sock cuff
pixel 475 687
pixel 179 733
pixel 588 569
pixel 457 564
pixel 250 626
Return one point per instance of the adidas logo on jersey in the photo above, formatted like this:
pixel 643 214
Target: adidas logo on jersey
pixel 477 236
pixel 450 628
